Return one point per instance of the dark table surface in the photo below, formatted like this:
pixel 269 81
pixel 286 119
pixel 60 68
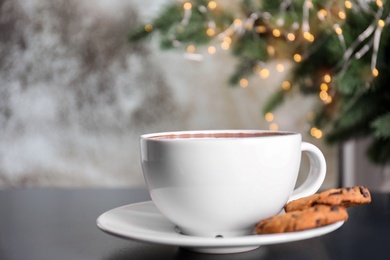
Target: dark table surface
pixel 61 224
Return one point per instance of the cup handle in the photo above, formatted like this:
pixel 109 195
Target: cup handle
pixel 316 174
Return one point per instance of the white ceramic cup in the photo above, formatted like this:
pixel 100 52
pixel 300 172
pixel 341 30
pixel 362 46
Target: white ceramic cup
pixel 221 183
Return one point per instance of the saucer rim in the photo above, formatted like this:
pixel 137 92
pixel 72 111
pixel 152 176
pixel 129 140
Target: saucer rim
pixel 182 240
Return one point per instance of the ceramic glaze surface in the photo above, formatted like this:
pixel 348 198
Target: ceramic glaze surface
pixel 222 186
pixel 143 221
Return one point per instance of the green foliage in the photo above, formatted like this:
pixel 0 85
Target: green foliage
pixel 353 121
pixel 274 101
pixel 379 151
pixel 360 104
pixel 251 46
pixel 381 126
pixel 243 70
pixel 350 82
pixel 366 115
pixel 163 23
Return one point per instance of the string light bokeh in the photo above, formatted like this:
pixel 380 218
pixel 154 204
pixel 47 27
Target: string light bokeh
pixel 333 15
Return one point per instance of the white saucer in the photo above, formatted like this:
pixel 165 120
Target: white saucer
pixel 143 221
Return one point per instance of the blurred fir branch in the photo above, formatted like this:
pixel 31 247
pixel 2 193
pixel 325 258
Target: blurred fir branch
pixel 274 101
pixel 379 151
pixel 164 22
pixel 243 70
pixel 380 126
pixel 346 41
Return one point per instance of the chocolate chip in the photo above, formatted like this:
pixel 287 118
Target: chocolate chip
pixel 364 192
pixel 318 221
pixel 334 208
pixel 262 225
pixel 348 189
pixel 336 193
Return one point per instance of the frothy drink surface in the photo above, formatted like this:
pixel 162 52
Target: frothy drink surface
pixel 218 135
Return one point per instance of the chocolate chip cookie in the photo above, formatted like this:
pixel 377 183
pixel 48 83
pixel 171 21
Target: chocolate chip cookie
pixel 346 197
pixel 316 216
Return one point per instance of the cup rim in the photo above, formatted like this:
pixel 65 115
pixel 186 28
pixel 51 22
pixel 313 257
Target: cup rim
pixel 192 134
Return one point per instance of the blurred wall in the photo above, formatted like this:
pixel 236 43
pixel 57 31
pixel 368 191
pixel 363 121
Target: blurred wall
pixel 75 95
pixel 359 170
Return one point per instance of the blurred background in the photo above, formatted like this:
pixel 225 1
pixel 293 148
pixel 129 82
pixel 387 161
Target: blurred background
pixel 75 95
